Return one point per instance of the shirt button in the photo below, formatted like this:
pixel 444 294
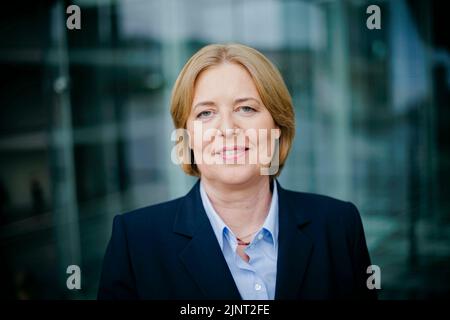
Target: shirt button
pixel 257 287
pixel 260 236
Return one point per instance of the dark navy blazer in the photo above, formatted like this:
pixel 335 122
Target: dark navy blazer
pixel 169 251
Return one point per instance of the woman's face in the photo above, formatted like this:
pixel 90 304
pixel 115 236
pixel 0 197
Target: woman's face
pixel 229 127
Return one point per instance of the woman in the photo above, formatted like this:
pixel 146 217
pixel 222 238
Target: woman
pixel 237 234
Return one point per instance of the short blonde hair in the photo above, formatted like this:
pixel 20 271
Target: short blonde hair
pixel 268 81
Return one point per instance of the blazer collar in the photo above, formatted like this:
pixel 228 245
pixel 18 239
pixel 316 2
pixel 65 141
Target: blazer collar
pixel 294 245
pixel 204 259
pixel 202 256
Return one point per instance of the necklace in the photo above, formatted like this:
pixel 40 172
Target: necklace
pixel 243 243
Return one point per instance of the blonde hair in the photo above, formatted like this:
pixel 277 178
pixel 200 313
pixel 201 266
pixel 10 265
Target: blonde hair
pixel 268 81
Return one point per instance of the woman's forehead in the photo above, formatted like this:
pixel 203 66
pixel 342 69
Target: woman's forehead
pixel 226 81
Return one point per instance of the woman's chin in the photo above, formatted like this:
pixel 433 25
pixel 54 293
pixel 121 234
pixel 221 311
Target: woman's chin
pixel 235 174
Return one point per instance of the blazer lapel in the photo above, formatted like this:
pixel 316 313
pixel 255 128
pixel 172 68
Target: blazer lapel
pixel 294 247
pixel 202 256
pixel 205 262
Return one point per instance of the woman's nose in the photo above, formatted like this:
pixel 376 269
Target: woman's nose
pixel 227 126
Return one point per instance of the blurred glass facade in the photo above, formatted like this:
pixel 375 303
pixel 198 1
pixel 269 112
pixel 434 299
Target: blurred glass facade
pixel 85 125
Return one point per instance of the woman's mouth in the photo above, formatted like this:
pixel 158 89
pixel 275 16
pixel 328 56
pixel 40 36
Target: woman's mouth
pixel 232 153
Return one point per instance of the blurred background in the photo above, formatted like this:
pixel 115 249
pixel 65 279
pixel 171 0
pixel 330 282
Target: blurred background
pixel 85 125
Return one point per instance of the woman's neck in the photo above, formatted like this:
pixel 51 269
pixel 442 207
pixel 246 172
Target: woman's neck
pixel 243 208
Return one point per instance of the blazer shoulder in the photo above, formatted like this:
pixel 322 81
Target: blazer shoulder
pixel 316 199
pixel 323 206
pixel 153 216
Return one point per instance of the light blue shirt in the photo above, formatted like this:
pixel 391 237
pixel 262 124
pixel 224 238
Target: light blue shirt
pixel 255 279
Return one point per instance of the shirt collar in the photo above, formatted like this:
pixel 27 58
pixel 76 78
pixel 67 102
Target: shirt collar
pixel 219 226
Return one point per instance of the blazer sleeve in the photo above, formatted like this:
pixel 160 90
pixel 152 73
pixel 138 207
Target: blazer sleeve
pixel 117 279
pixel 360 258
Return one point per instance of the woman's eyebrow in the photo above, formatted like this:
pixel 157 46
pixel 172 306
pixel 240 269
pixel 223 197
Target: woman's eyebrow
pixel 237 101
pixel 240 100
pixel 203 103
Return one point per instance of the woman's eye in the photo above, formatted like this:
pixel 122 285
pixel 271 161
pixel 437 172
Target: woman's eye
pixel 204 114
pixel 247 109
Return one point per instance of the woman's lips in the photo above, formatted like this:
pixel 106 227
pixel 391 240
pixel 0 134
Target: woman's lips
pixel 232 153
